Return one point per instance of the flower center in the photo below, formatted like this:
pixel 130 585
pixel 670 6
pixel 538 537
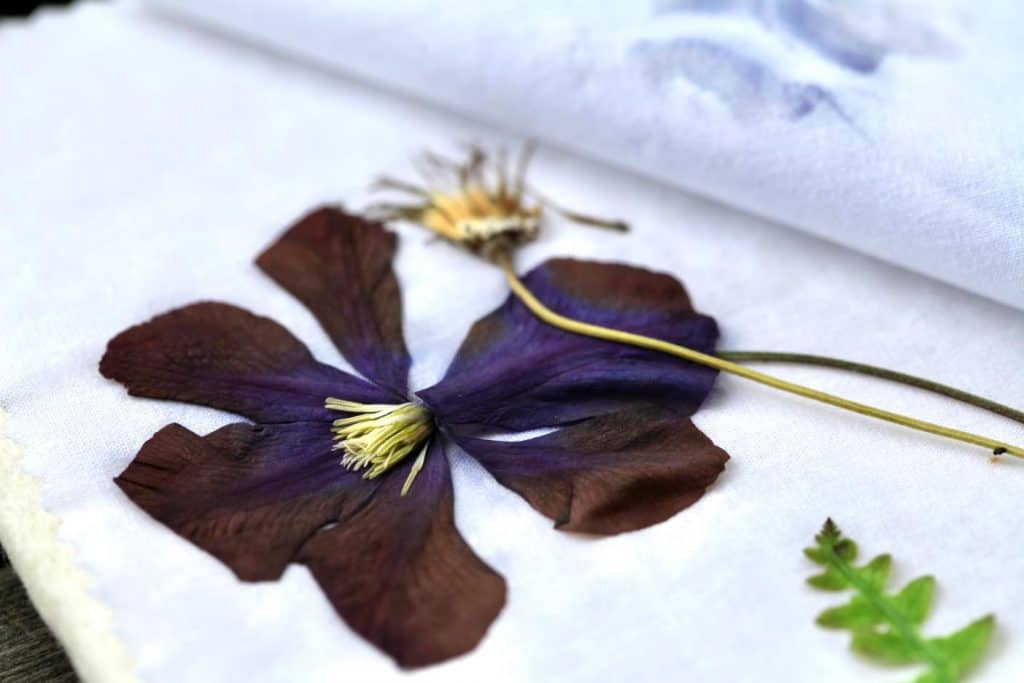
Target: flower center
pixel 518 228
pixel 480 220
pixel 378 436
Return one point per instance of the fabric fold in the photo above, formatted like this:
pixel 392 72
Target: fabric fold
pixel 879 126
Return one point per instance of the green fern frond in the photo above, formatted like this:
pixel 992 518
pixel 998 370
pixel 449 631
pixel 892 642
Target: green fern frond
pixel 886 627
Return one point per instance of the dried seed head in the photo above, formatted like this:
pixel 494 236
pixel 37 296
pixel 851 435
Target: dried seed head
pixel 476 203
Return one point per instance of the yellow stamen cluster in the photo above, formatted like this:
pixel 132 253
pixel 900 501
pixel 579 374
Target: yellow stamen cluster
pixel 378 436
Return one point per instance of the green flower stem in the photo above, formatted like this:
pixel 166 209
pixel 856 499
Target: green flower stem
pixel 874 371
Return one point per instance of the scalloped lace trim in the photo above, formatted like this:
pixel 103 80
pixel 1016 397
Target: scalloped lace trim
pixel 58 587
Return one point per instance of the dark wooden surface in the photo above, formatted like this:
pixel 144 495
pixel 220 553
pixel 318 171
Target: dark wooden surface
pixel 28 652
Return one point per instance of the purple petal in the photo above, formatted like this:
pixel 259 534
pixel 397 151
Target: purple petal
pixel 222 356
pixel 607 474
pixel 516 372
pixel 339 266
pixel 400 574
pixel 250 495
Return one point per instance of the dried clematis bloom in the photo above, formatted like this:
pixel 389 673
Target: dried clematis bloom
pixel 377 530
pixel 477 203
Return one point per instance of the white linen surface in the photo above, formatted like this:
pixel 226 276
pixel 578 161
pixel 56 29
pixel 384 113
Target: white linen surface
pixel 146 163
pixel 890 126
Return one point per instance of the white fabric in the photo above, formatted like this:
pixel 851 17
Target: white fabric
pixel 145 165
pixel 889 126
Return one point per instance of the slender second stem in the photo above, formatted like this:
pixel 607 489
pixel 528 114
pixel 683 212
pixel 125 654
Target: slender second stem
pixel 639 340
pixel 875 371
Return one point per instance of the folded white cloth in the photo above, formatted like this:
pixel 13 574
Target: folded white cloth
pixel 889 127
pixel 148 163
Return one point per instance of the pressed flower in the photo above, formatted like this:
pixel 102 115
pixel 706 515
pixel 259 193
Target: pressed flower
pixel 485 208
pixel 349 475
pixel 471 204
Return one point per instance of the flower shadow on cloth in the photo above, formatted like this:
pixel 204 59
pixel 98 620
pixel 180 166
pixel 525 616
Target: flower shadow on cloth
pixel 264 494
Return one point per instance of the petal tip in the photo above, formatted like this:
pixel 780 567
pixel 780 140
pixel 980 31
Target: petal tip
pixel 413 660
pixel 340 266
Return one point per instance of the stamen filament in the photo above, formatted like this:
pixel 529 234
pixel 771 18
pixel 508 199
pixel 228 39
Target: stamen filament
pixel 356 407
pixel 416 467
pixel 598 332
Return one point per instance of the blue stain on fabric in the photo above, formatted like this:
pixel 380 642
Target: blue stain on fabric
pixel 830 38
pixel 829 29
pixel 749 87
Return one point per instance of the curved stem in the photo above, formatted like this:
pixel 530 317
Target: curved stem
pixel 598 332
pixel 875 371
